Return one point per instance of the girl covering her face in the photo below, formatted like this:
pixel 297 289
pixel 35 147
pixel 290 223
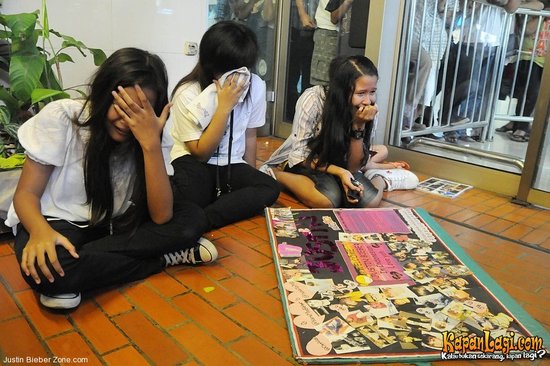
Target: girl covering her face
pixel 94 206
pixel 217 109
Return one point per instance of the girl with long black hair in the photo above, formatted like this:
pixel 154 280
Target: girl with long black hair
pixel 324 159
pixel 94 205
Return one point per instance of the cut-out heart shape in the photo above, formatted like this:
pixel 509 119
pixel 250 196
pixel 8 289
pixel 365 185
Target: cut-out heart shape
pixel 298 291
pixel 305 316
pixel 319 345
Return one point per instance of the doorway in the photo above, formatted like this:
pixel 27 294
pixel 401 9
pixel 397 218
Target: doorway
pixel 296 48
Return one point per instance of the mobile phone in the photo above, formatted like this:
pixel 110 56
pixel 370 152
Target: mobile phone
pixel 353 195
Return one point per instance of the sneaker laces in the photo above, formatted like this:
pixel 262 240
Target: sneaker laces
pixel 180 257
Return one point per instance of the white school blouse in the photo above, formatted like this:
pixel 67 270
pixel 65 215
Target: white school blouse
pixel 248 114
pixel 51 138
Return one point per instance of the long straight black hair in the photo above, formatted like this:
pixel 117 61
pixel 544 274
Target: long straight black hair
pixel 331 146
pixel 126 67
pixel 225 46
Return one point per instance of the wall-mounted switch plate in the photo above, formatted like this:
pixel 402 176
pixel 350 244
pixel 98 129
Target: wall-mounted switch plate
pixel 190 48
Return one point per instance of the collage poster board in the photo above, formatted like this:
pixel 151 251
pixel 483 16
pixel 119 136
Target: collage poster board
pixel 389 285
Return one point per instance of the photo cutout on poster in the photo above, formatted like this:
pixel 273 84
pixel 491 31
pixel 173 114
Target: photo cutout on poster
pixel 432 340
pixel 381 338
pixel 353 342
pixel 335 328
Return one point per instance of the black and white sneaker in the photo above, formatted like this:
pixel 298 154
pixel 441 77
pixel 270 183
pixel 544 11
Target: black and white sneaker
pixel 202 253
pixel 61 301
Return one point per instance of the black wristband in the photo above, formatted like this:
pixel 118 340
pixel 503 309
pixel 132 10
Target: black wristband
pixel 357 134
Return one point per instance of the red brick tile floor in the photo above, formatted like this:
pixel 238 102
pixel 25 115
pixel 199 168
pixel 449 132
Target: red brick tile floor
pixel 229 313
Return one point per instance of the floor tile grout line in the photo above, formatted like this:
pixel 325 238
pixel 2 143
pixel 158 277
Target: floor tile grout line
pixel 515 241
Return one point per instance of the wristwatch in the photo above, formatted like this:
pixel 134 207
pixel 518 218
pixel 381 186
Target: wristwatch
pixel 357 134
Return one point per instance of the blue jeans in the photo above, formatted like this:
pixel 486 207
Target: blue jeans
pixel 251 190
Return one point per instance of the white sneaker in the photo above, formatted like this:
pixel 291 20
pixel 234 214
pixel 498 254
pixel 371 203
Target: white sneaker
pixel 202 253
pixel 60 301
pixel 267 170
pixel 396 179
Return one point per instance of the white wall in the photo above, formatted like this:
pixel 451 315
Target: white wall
pixel 159 26
pixel 387 54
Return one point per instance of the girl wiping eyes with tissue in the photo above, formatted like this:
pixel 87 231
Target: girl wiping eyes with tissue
pixel 216 110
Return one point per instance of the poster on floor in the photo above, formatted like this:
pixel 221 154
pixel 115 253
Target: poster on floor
pixel 385 285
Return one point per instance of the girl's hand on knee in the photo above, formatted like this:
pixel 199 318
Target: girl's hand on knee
pixel 140 116
pixel 40 250
pixel 230 92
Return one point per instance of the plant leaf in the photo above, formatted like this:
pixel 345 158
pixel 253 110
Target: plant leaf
pixel 46 26
pixel 39 95
pixel 11 130
pixel 48 80
pixel 23 37
pixel 9 100
pixel 5 115
pixel 25 72
pixel 61 57
pixel 71 42
pixel 20 23
pixel 99 55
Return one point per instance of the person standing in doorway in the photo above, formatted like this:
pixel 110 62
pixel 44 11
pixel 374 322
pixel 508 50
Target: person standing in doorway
pixel 302 19
pixel 325 48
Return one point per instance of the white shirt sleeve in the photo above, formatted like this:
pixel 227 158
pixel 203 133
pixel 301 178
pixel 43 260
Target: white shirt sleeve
pixel 167 143
pixel 183 129
pixel 46 136
pixel 259 104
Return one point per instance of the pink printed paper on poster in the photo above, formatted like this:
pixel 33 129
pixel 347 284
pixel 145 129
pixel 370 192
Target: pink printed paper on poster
pixel 374 261
pixel 381 221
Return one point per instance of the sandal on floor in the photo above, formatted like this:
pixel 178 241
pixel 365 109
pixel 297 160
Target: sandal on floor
pixel 519 136
pixel 504 128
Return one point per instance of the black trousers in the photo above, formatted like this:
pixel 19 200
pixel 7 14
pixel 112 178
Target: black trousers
pixel 106 260
pixel 301 51
pixel 251 190
pixel 529 90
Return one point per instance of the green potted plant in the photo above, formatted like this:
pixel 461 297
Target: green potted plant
pixel 33 72
pixel 30 77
